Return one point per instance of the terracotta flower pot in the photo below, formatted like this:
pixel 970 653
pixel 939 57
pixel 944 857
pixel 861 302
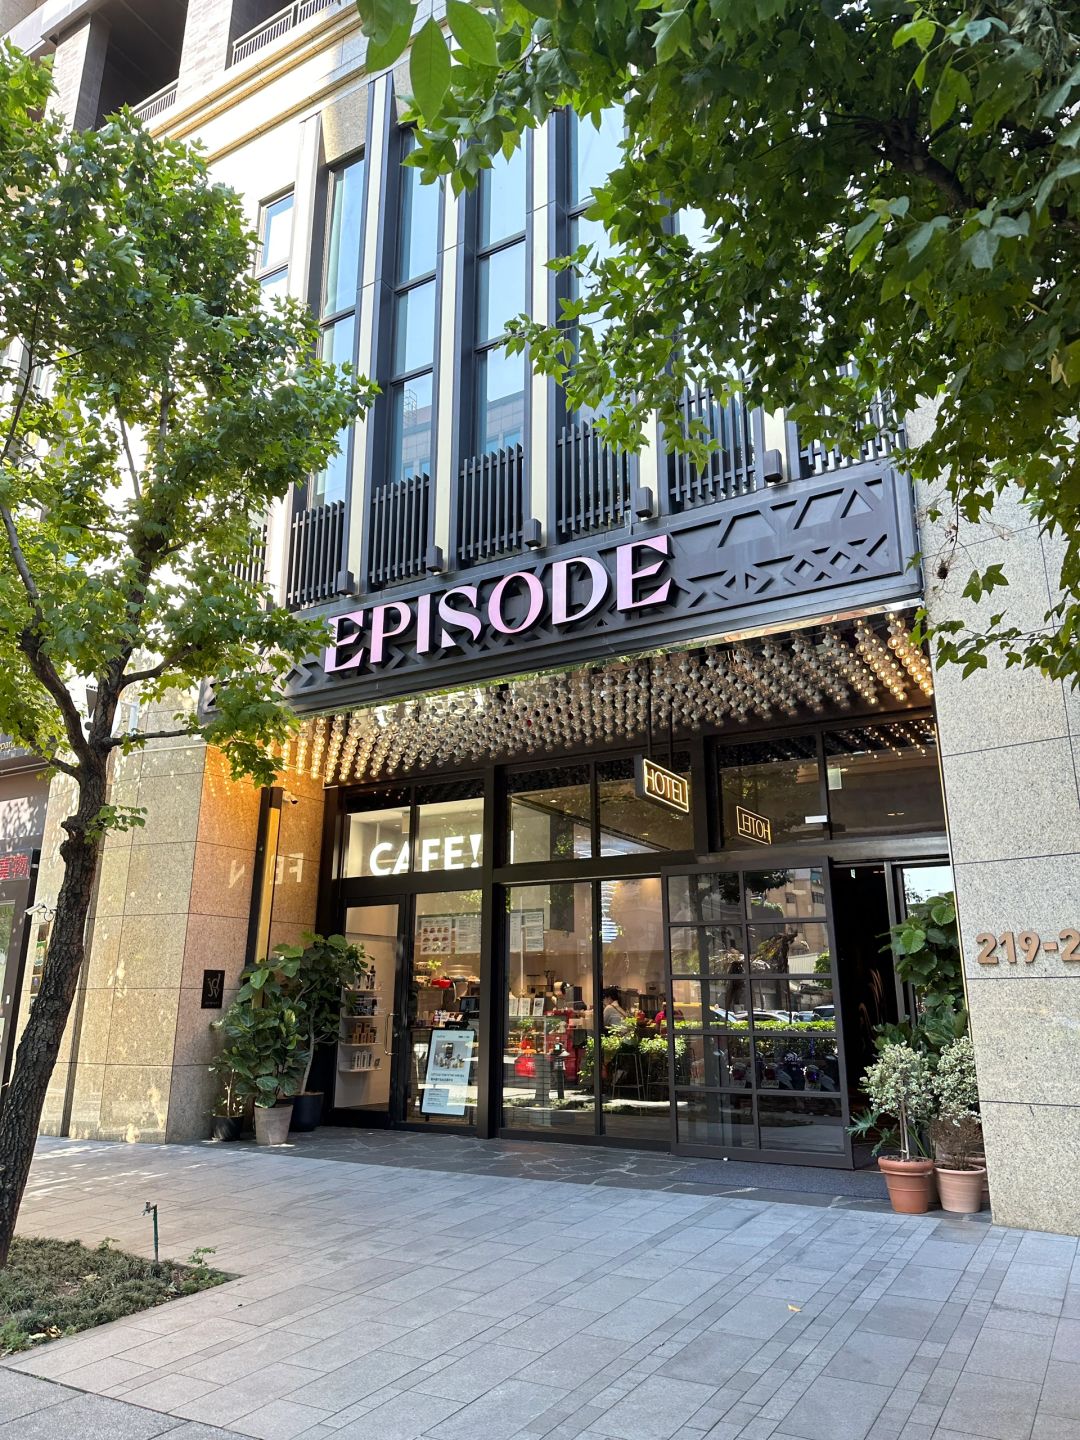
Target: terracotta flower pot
pixel 272 1123
pixel 909 1184
pixel 960 1190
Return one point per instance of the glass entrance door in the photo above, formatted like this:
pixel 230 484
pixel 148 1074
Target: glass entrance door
pixel 365 1049
pixel 440 1011
pixel 755 1046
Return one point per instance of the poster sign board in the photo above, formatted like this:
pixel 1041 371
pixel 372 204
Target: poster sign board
pixel 449 1062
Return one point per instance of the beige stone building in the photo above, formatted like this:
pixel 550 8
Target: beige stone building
pixel 518 618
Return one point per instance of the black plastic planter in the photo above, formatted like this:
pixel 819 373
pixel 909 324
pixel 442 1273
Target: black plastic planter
pixel 307 1110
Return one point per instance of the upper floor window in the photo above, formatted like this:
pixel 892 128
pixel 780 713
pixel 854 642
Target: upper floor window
pixel 501 294
pixel 338 304
pixel 412 362
pixel 275 246
pixel 593 154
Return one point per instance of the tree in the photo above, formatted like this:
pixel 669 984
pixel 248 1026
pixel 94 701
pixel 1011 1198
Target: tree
pixel 889 192
pixel 151 409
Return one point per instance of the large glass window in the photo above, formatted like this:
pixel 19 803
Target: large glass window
pixel 550 815
pixel 632 826
pixel 501 294
pixel 340 287
pixel 549 1056
pixel 445 831
pixel 275 246
pixel 883 779
pixel 449 831
pixel 593 154
pixel 634 1089
pixel 413 343
pixel 778 780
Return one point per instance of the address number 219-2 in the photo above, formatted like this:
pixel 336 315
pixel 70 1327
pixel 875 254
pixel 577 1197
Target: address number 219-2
pixel 1026 946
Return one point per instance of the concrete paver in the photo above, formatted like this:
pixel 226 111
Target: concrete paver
pixel 399 1302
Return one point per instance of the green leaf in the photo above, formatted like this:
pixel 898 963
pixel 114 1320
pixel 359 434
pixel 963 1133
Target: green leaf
pixel 381 57
pixel 546 9
pixel 429 69
pixel 921 236
pixel 921 31
pixel 981 248
pixel 673 34
pixel 472 31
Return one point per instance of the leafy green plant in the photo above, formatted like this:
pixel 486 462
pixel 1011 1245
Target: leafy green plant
pixel 899 1087
pixel 264 1043
pixel 313 976
pixel 926 950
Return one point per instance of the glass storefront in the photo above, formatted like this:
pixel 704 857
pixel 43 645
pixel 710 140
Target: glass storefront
pixel 556 956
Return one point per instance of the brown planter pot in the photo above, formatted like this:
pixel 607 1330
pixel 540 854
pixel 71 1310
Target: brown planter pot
pixel 981 1160
pixel 960 1190
pixel 272 1123
pixel 909 1184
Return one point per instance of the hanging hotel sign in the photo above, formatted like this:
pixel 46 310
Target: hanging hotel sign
pixel 752 827
pixel 663 787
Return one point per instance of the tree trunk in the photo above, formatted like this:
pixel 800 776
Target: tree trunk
pixel 39 1046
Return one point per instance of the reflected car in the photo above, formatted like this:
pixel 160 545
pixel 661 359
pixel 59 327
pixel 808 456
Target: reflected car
pixel 824 1012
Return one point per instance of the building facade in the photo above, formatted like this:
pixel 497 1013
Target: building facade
pixel 618 769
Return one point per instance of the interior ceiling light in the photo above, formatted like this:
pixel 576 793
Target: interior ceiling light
pixel 719 686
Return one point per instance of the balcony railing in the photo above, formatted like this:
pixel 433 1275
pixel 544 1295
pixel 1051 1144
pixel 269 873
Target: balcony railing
pixel 814 457
pixel 489 505
pixel 156 104
pixel 252 567
pixel 316 546
pixel 592 483
pixel 278 25
pixel 399 530
pixel 732 467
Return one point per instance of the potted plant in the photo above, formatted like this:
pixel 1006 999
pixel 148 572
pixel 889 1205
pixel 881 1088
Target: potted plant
pixel 957 1130
pixel 227 1120
pixel 313 976
pixel 926 952
pixel 264 1050
pixel 898 1086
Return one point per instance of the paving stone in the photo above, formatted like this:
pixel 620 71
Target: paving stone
pixel 836 1409
pixel 989 1406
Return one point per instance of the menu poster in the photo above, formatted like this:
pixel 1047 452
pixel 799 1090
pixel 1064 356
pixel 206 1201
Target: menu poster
pixel 435 935
pixel 527 932
pixel 446 1085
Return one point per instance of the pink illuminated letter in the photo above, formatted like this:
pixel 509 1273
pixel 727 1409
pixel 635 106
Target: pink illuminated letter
pixel 354 619
pixel 626 574
pixel 536 603
pixel 381 631
pixel 560 589
pixel 457 619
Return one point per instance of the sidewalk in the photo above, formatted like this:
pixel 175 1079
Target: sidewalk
pixel 393 1302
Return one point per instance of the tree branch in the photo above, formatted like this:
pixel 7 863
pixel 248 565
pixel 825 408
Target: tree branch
pixel 130 458
pixel 115 741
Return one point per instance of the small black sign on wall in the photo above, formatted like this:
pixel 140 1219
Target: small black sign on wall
pixel 213 989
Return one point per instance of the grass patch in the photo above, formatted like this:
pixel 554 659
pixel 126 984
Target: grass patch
pixel 51 1288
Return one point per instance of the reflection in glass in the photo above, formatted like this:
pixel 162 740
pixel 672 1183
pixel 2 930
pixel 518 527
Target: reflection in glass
pixel 450 834
pixel 800 947
pixel 923 882
pixel 377 842
pixel 634 1084
pixel 549 1053
pixel 550 815
pixel 708 950
pixel 274 287
pixel 419 235
pixel 711 1004
pixel 414 328
pixel 883 779
pixel 502 198
pixel 725 1122
pixel 594 152
pixel 718 1061
pixel 632 826
pixel 500 283
pixel 774 894
pixel 797 1062
pixel 443 1002
pixel 778 779
pixel 705 897
pixel 277 233
pixel 343 242
pixel 784 1001
pixel 410 436
pixel 500 382
pixel 803 1122
pixel 336 342
pixel 366 1037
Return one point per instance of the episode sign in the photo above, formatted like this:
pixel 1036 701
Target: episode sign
pixel 753 827
pixel 664 787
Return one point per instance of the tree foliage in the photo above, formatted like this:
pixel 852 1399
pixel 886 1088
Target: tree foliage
pixel 890 194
